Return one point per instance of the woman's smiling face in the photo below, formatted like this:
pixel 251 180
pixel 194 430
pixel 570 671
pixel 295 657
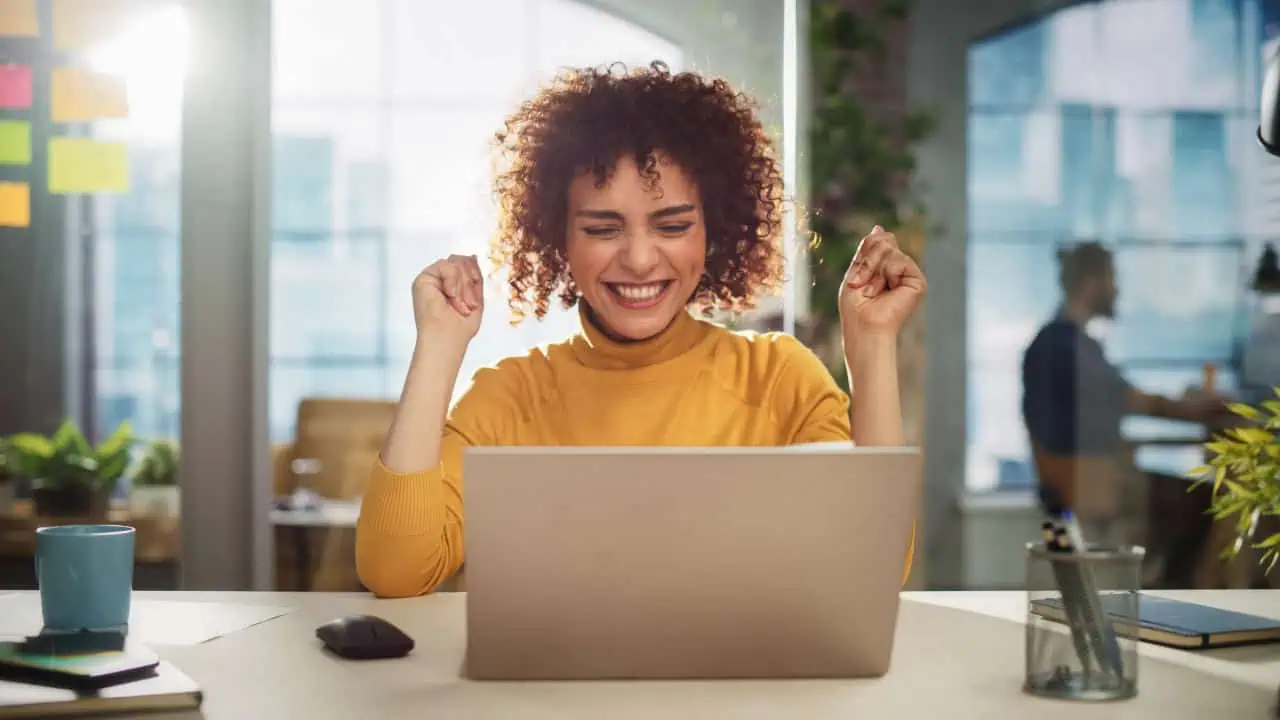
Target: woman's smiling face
pixel 637 246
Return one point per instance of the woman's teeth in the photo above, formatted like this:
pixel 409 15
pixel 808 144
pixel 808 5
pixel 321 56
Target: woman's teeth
pixel 639 292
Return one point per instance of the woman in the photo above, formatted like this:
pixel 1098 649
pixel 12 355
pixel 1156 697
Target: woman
pixel 634 196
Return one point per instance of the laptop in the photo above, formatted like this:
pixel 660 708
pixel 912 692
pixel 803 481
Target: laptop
pixel 686 563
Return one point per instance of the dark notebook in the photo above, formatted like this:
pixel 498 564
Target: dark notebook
pixel 167 689
pixel 1177 623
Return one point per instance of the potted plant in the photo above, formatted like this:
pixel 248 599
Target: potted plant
pixel 69 476
pixel 1244 467
pixel 155 481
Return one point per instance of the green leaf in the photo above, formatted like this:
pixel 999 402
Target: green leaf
pixel 1270 542
pixel 68 438
pixel 113 467
pixel 1253 436
pixel 31 444
pixel 118 441
pixel 1237 490
pixel 1218 447
pixel 1246 411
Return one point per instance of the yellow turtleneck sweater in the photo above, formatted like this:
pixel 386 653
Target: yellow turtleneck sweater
pixel 695 384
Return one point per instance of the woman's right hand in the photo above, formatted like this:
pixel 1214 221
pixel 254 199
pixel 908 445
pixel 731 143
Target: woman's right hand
pixel 448 300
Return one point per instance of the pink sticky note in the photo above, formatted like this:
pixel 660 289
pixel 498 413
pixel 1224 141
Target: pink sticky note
pixel 15 86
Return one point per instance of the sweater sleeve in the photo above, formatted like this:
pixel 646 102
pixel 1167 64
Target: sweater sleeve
pixel 409 537
pixel 812 405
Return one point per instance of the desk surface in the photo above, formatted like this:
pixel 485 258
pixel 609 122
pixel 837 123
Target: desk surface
pixel 957 655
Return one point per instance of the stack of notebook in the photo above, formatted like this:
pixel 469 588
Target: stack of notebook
pixel 58 675
pixel 167 690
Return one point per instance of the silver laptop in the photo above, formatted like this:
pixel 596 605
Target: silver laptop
pixel 676 563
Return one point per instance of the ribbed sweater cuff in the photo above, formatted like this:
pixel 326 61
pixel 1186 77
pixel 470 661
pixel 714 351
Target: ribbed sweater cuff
pixel 404 503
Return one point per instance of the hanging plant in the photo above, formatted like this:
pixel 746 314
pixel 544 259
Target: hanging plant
pixel 861 158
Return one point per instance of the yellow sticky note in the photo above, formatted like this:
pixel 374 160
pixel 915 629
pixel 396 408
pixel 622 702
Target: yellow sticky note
pixel 80 165
pixel 15 204
pixel 81 95
pixel 82 24
pixel 15 142
pixel 18 18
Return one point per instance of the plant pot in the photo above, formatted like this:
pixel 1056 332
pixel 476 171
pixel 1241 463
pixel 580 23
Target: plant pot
pixel 70 501
pixel 163 501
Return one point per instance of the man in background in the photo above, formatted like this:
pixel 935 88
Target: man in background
pixel 1074 401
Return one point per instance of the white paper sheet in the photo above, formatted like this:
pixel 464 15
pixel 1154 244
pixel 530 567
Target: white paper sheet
pixel 151 622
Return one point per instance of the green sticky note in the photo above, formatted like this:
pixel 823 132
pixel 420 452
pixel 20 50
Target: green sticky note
pixel 15 142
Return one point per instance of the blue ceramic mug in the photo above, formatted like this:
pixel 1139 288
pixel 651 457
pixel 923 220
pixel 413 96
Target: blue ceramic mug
pixel 85 573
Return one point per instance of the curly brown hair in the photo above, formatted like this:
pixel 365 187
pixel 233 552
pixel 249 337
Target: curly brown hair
pixel 585 121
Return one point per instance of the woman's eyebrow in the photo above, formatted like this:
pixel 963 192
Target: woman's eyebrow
pixel 673 210
pixel 599 214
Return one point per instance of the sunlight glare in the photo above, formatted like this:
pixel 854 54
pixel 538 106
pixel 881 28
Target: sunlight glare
pixel 151 57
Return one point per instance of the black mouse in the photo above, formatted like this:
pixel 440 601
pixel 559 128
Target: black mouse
pixel 364 637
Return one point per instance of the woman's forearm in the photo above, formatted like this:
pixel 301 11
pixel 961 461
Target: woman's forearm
pixel 872 362
pixel 413 442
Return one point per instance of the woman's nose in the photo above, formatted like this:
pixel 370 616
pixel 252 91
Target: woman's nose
pixel 640 255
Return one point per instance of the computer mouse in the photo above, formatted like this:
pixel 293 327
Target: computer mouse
pixel 364 637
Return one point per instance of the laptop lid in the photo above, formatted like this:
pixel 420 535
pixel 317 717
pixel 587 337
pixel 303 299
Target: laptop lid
pixel 685 562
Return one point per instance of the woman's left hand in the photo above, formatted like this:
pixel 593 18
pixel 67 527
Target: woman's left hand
pixel 882 287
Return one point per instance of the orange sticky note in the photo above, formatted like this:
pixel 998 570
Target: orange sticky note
pixel 18 18
pixel 82 24
pixel 81 95
pixel 80 165
pixel 15 204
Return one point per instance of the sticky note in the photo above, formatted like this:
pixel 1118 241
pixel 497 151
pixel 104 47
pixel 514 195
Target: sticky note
pixel 15 204
pixel 15 142
pixel 18 18
pixel 80 165
pixel 82 24
pixel 81 95
pixel 15 86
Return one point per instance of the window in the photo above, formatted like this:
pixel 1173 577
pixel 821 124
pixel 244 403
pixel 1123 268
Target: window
pixel 382 167
pixel 382 115
pixel 1128 122
pixel 134 243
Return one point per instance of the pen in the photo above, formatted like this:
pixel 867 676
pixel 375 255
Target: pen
pixel 1101 633
pixel 1067 577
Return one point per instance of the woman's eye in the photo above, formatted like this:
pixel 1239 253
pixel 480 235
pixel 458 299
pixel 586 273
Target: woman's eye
pixel 600 231
pixel 675 228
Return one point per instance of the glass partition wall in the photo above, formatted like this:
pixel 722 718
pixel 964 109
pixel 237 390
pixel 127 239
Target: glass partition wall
pixel 90 137
pixel 380 165
pixel 1131 123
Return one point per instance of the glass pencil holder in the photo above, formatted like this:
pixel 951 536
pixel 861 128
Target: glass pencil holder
pixel 1082 610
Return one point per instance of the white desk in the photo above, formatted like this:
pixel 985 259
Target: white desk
pixel 958 655
pixel 328 514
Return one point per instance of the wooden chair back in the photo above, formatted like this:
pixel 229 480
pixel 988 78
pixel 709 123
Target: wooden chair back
pixel 338 439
